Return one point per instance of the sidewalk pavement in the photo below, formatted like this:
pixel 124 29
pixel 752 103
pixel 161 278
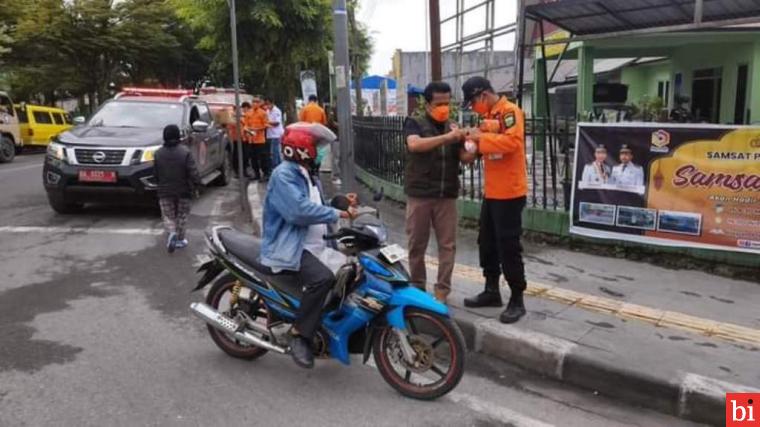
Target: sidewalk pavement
pixel 675 341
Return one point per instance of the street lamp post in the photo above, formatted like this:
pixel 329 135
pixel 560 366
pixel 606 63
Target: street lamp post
pixel 340 26
pixel 236 78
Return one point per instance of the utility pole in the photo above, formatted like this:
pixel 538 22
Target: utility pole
pixel 355 74
pixel 236 77
pixel 345 129
pixel 435 41
pixel 331 74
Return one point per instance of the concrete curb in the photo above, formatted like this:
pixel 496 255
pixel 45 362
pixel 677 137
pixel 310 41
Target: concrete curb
pixel 689 396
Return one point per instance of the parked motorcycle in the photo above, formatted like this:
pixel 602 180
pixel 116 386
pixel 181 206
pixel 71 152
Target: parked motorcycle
pixel 417 347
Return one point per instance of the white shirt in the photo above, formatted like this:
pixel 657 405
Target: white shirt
pixel 315 242
pixel 628 175
pixel 275 115
pixel 593 173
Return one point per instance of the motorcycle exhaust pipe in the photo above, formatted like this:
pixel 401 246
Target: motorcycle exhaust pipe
pixel 223 323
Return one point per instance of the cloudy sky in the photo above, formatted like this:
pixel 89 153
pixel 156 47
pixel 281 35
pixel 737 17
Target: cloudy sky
pixel 402 24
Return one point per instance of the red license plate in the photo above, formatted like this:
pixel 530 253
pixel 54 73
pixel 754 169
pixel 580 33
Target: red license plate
pixel 97 176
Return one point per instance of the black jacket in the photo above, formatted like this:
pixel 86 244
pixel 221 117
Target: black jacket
pixel 176 172
pixel 434 174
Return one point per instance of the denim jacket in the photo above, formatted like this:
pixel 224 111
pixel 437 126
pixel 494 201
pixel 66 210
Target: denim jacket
pixel 288 213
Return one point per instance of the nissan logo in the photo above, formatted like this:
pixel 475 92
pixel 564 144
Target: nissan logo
pixel 99 157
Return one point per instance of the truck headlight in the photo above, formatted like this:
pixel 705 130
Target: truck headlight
pixel 149 154
pixel 56 151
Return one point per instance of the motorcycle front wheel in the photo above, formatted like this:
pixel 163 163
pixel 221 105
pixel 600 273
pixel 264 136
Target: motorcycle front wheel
pixel 439 361
pixel 220 297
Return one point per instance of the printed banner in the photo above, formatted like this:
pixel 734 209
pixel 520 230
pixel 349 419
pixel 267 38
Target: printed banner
pixel 308 84
pixel 676 185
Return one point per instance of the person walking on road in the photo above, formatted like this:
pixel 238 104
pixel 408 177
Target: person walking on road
pixel 501 142
pixel 274 131
pixel 178 178
pixel 312 112
pixel 431 182
pixel 256 124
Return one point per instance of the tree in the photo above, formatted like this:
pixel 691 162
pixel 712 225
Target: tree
pixel 81 47
pixel 276 39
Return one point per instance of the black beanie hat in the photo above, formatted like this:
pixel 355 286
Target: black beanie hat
pixel 171 135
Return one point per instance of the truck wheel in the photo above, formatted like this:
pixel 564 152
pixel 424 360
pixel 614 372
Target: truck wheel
pixel 61 206
pixel 7 150
pixel 225 171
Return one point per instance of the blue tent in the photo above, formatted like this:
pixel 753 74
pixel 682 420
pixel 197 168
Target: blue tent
pixel 374 82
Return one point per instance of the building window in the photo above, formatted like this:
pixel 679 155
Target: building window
pixel 663 91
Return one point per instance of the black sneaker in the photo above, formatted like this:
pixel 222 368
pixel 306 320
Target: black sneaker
pixel 515 310
pixel 300 349
pixel 484 299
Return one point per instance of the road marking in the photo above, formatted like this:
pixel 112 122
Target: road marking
pixel 490 410
pixel 621 309
pixel 495 412
pixel 21 168
pixel 82 230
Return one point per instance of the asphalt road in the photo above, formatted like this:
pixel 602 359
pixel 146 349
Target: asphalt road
pixel 95 330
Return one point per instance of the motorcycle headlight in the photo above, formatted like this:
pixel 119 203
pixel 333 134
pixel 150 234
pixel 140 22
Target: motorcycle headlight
pixel 56 150
pixel 149 154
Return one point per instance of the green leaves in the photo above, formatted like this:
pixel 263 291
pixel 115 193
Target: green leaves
pixel 78 47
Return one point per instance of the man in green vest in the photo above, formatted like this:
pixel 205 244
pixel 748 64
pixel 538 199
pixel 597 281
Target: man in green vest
pixel 435 149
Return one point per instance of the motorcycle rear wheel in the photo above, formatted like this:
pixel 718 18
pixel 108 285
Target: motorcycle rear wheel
pixel 219 296
pixel 438 342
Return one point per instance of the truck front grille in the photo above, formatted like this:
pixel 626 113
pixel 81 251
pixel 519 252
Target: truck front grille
pixel 99 157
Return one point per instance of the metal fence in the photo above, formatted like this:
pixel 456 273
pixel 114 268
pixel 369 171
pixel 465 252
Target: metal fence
pixel 380 149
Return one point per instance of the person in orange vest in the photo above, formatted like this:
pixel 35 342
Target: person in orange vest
pixel 500 140
pixel 312 112
pixel 235 139
pixel 256 122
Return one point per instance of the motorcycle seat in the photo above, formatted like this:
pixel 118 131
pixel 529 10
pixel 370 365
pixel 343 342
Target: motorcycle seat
pixel 247 249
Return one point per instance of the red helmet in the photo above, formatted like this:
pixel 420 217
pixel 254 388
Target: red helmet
pixel 298 146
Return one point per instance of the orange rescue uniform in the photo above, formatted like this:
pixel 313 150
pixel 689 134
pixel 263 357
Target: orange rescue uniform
pixel 503 150
pixel 313 113
pixel 256 121
pixel 232 129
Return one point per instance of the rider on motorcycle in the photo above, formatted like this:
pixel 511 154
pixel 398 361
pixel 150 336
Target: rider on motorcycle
pixel 296 220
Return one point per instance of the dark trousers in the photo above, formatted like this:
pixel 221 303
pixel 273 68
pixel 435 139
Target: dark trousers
pixel 317 280
pixel 259 159
pixel 174 213
pixel 499 241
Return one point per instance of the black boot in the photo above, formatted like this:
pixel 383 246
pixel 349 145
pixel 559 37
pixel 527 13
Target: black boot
pixel 515 309
pixel 491 297
pixel 300 349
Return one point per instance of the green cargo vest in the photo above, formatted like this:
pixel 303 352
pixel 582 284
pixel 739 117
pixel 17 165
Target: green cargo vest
pixel 434 174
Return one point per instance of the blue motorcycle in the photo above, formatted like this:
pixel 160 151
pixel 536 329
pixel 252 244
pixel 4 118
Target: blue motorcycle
pixel 417 347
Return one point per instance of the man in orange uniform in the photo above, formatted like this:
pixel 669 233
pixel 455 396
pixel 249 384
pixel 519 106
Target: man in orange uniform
pixel 312 112
pixel 235 139
pixel 256 122
pixel 501 143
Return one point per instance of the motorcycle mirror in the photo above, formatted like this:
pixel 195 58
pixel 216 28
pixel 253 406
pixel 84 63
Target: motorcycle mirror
pixel 340 202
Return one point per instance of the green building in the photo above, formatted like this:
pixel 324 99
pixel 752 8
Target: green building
pixel 710 66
